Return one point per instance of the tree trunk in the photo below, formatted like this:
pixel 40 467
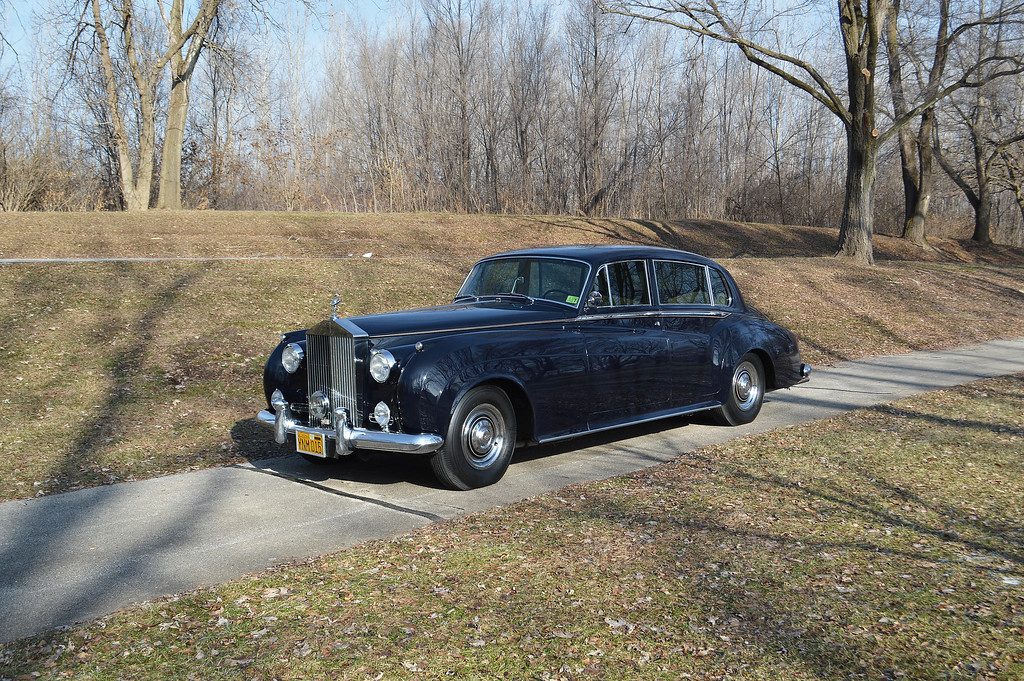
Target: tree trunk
pixel 859 207
pixel 135 187
pixel 915 227
pixel 916 152
pixel 983 209
pixel 174 140
pixel 182 66
pixel 911 178
pixel 861 38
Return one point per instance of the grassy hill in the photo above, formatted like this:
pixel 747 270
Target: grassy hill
pixel 120 370
pixel 881 544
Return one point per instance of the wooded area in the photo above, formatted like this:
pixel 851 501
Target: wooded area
pixel 738 110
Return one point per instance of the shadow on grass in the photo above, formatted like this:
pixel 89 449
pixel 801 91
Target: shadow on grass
pixel 963 424
pixel 872 324
pixel 807 617
pixel 971 279
pixel 712 238
pixel 767 616
pixel 55 520
pixel 123 371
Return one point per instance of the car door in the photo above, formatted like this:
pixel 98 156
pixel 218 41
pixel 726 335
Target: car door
pixel 626 349
pixel 692 304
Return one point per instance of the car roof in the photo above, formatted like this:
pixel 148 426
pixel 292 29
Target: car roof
pixel 598 255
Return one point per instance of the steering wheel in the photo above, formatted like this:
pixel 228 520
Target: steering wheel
pixel 551 291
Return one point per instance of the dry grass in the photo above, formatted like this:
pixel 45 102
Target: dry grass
pixel 224 234
pixel 121 370
pixel 882 544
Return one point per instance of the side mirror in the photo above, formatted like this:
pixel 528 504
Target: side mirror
pixel 594 299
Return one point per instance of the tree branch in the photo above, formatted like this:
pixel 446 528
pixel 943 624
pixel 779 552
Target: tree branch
pixel 815 85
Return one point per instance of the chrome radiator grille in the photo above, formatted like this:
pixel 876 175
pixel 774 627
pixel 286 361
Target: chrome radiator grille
pixel 331 369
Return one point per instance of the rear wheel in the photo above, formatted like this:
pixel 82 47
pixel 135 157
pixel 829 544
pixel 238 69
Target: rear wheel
pixel 480 440
pixel 746 393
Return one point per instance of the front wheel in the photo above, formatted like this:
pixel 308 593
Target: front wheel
pixel 746 393
pixel 479 442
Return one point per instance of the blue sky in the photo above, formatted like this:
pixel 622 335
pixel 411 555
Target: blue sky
pixel 17 19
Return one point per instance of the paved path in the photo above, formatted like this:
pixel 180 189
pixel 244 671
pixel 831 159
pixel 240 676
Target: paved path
pixel 71 557
pixel 65 261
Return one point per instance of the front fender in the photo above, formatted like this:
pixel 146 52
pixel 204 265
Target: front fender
pixel 275 377
pixel 437 376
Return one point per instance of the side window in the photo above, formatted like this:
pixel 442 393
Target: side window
pixel 623 283
pixel 681 283
pixel 719 289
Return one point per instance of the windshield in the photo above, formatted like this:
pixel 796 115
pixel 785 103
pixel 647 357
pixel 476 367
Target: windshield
pixel 554 279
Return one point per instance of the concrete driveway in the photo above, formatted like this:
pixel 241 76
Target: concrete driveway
pixel 71 557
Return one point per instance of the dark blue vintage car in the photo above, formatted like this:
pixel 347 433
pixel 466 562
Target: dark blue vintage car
pixel 539 345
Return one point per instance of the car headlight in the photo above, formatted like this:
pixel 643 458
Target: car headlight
pixel 381 364
pixel 291 357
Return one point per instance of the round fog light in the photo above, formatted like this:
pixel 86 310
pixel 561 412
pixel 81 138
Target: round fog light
pixel 382 415
pixel 319 406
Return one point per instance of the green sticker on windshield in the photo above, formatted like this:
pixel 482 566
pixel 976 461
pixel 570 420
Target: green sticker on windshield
pixel 572 300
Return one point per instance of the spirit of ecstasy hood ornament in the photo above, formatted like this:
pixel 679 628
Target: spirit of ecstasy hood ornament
pixel 335 303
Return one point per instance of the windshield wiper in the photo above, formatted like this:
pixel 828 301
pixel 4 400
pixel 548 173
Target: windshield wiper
pixel 499 296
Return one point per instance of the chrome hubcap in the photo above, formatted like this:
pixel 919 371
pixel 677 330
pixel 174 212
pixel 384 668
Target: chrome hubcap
pixel 745 386
pixel 484 436
pixel 481 437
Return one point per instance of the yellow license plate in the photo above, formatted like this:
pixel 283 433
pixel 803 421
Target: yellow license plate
pixel 309 443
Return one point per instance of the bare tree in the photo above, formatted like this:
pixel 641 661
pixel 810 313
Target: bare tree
pixel 22 170
pixel 1011 145
pixel 860 26
pixel 981 115
pixel 1012 157
pixel 378 72
pixel 593 46
pixel 974 178
pixel 191 39
pixel 4 5
pixel 916 149
pixel 485 105
pixel 136 182
pixel 530 56
pixel 118 25
pixel 971 28
pixel 456 26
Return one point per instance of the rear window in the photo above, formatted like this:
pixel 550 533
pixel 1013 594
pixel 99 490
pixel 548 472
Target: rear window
pixel 719 289
pixel 681 283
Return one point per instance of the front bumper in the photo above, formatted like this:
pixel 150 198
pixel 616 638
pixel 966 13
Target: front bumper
pixel 347 439
pixel 805 373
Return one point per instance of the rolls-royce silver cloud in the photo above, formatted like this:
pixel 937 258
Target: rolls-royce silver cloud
pixel 538 345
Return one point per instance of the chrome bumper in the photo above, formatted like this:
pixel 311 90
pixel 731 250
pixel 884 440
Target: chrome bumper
pixel 805 373
pixel 345 436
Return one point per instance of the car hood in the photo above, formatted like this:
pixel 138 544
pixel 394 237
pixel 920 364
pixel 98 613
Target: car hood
pixel 455 317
